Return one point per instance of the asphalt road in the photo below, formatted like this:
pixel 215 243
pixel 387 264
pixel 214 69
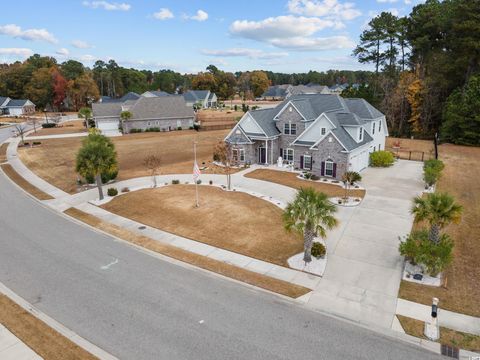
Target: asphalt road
pixel 142 307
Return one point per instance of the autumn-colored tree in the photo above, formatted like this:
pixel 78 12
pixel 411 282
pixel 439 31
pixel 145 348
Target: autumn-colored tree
pixel 222 152
pixel 415 100
pixel 40 88
pixel 82 90
pixel 59 89
pixel 204 81
pixel 259 82
pixel 152 162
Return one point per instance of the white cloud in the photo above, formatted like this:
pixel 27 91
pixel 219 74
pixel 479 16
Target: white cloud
pixel 388 1
pixel 63 52
pixel 87 58
pixel 199 16
pixel 239 52
pixel 314 44
pixel 20 52
pixel 163 14
pixel 324 8
pixel 107 5
pixel 16 31
pixel 80 44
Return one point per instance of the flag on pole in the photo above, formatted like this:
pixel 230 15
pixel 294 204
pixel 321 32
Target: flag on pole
pixel 196 171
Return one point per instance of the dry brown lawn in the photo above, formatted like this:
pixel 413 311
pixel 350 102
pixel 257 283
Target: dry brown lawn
pixel 24 184
pixel 290 179
pixel 246 276
pixel 70 127
pixel 233 221
pixel 41 338
pixel 3 152
pixel 462 290
pixel 447 336
pixel 411 149
pixel 54 160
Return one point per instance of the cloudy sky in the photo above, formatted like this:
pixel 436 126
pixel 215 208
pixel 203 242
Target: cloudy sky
pixel 187 35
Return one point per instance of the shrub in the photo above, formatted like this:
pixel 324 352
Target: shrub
pixel 37 143
pixel 134 131
pixel 175 182
pixel 318 250
pixel 112 192
pixel 235 107
pixel 315 177
pixel 307 175
pixel 418 249
pixel 48 125
pixel 26 143
pixel 432 170
pixel 210 182
pixel 436 164
pixel 125 189
pixel 152 129
pixel 199 182
pixel 179 128
pixel 190 127
pixel 196 127
pixel 381 159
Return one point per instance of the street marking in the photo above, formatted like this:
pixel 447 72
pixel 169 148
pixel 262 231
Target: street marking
pixel 106 267
pixel 201 322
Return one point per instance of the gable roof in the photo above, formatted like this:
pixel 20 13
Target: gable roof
pixel 3 99
pixel 161 108
pixel 196 95
pixel 16 103
pixel 263 118
pixel 343 136
pixel 158 93
pixel 276 91
pixel 130 96
pixel 107 109
pixel 362 108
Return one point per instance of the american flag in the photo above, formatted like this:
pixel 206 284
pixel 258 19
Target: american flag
pixel 196 171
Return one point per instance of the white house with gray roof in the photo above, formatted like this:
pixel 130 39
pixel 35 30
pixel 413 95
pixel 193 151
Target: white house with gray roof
pixel 323 134
pixel 203 98
pixel 16 107
pixel 163 113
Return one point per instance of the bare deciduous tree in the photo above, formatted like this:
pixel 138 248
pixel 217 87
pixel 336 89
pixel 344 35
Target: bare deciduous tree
pixel 21 129
pixel 223 153
pixel 152 162
pixel 34 121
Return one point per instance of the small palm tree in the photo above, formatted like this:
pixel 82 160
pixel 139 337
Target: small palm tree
pixel 85 113
pixel 310 214
pixel 125 115
pixel 349 178
pixel 439 209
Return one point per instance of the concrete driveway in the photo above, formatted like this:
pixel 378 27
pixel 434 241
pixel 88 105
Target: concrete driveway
pixel 364 268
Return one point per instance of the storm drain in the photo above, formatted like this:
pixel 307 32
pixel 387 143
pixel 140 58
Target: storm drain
pixel 450 351
pixel 142 227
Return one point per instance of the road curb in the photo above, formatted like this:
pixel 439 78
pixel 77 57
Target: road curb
pixel 69 334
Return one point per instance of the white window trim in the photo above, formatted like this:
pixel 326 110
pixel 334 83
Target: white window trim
pixel 373 128
pixel 328 162
pixel 285 154
pixel 323 131
pixel 285 127
pixel 310 157
pixel 241 156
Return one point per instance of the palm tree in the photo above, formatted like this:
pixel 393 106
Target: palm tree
pixel 310 214
pixel 85 113
pixel 97 156
pixel 125 115
pixel 349 178
pixel 439 209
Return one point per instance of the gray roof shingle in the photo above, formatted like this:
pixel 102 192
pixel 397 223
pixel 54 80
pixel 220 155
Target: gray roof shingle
pixel 264 118
pixel 195 95
pixel 362 108
pixel 16 103
pixel 161 108
pixel 107 109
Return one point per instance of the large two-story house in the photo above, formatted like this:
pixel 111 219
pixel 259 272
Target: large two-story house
pixel 323 134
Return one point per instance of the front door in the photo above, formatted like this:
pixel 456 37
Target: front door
pixel 262 155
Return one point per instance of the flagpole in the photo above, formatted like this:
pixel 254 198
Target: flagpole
pixel 195 179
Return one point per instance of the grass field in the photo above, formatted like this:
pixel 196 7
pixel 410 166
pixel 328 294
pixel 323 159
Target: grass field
pixel 70 127
pixel 233 221
pixel 3 152
pixel 291 180
pixel 447 336
pixel 41 338
pixel 54 160
pixel 462 290
pixel 219 267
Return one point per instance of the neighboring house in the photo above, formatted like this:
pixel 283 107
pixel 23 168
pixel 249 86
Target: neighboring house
pixel 338 88
pixel 324 134
pixel 128 96
pixel 204 98
pixel 15 107
pixel 282 92
pixel 155 93
pixel 165 113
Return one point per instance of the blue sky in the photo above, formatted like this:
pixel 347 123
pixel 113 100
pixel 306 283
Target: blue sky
pixel 187 35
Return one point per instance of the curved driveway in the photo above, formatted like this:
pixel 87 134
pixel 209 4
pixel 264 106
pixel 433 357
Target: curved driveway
pixel 142 307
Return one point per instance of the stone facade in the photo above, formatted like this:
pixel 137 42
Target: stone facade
pixel 289 117
pixel 164 125
pixel 327 150
pixel 252 151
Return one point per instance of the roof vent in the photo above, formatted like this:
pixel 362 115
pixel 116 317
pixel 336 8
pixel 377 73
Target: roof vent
pixel 290 109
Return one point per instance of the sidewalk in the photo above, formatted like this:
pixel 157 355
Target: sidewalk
pixel 448 319
pixel 13 348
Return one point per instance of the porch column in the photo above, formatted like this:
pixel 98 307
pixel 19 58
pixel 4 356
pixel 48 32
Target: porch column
pixel 266 151
pixel 271 152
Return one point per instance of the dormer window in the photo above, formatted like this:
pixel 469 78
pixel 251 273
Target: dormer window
pixel 373 128
pixel 360 134
pixel 323 131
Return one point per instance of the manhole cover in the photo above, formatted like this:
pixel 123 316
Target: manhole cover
pixel 450 351
pixel 142 227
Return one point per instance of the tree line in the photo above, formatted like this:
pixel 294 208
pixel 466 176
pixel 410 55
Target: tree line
pixel 427 70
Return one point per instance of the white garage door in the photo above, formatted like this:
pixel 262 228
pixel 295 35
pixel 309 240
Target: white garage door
pixel 359 161
pixel 109 127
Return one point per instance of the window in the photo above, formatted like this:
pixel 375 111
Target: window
pixel 380 126
pixel 323 131
pixel 328 168
pixel 293 129
pixel 307 162
pixel 373 128
pixel 235 155
pixel 379 147
pixel 242 155
pixel 286 129
pixel 288 154
pixel 360 134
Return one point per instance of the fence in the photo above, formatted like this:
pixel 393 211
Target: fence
pixel 216 127
pixel 415 155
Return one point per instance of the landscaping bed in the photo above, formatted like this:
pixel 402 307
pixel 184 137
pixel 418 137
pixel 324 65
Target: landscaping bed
pixel 54 161
pixel 291 179
pixel 461 290
pixel 233 221
pixel 69 127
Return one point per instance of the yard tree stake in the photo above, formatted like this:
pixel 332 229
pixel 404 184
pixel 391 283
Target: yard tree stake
pixel 196 172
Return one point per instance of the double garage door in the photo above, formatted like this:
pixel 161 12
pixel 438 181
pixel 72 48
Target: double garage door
pixel 108 126
pixel 359 162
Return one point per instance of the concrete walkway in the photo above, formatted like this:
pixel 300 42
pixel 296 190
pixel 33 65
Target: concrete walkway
pixel 364 269
pixel 12 348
